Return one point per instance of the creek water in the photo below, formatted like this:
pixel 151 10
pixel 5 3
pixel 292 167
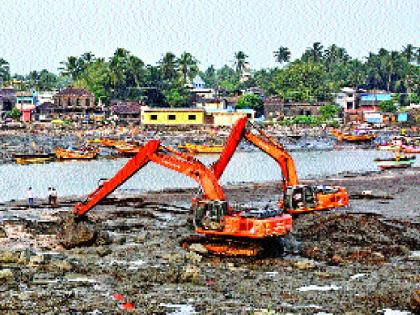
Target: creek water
pixel 81 177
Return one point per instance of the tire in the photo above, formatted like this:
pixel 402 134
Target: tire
pixel 273 247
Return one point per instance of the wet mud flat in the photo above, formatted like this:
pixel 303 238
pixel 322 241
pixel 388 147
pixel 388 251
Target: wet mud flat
pixel 363 259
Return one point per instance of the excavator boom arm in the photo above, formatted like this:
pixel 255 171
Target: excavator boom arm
pixel 182 164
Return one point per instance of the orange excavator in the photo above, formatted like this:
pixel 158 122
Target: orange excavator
pixel 224 230
pixel 297 198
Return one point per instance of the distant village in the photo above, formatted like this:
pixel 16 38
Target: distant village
pixel 325 86
pixel 208 107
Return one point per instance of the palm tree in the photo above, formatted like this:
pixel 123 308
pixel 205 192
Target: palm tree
pixel 316 51
pixel 168 65
pixel 4 70
pixel 136 69
pixel 118 66
pixel 187 65
pixel 240 62
pixel 282 54
pixel 408 52
pixel 71 67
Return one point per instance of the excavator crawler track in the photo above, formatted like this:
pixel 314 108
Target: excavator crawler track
pixel 237 247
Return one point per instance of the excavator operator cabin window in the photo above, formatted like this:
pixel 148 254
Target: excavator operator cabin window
pixel 192 117
pixel 153 117
pixel 171 117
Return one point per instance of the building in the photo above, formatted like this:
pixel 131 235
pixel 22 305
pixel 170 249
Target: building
pixel 172 116
pixel 227 117
pixel 211 103
pixel 366 103
pixel 198 83
pixel 126 110
pixel 26 102
pixel 7 101
pixel 276 109
pixel 75 101
pixel 46 97
pixel 347 98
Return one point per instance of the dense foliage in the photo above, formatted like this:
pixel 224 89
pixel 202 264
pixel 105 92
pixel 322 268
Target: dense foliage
pixel 312 77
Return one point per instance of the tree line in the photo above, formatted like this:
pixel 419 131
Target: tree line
pixel 312 77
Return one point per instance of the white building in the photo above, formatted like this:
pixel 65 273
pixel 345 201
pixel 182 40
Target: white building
pixel 346 98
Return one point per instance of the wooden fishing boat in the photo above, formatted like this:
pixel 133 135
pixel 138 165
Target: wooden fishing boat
pixel 202 148
pixel 395 162
pixel 110 143
pixel 388 147
pixel 93 141
pixel 358 138
pixel 65 154
pixel 128 149
pixel 411 149
pixel 23 159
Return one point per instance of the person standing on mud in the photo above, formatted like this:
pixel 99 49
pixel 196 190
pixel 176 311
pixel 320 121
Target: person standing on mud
pixel 30 196
pixel 54 198
pixel 49 196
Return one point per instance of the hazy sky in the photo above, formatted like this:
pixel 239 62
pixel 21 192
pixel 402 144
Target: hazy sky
pixel 39 34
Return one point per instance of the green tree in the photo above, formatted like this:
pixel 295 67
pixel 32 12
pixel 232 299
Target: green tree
pixel 282 55
pixel 409 52
pixel 313 54
pixel 210 76
pixel 47 80
pixel 240 62
pixel 329 111
pixel 97 79
pixel 4 70
pixel 71 67
pixel 187 66
pixel 252 101
pixel 14 113
pixel 168 67
pixel 177 96
pixel 301 81
pixel 387 107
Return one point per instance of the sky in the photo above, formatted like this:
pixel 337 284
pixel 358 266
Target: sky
pixel 38 34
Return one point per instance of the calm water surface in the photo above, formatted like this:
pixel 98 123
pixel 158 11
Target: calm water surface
pixel 80 178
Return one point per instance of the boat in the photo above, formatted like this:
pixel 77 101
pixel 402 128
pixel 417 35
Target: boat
pixel 411 149
pixel 358 138
pixel 388 147
pixel 93 141
pixel 128 149
pixel 110 142
pixel 66 154
pixel 395 162
pixel 202 148
pixel 23 159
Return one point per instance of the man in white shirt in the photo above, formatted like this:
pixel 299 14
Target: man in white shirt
pixel 30 196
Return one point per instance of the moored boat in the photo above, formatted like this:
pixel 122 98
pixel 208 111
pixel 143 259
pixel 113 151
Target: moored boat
pixel 24 159
pixel 201 148
pixel 395 162
pixel 129 149
pixel 411 149
pixel 388 147
pixel 65 154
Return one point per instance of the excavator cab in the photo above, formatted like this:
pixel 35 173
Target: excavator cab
pixel 299 197
pixel 209 215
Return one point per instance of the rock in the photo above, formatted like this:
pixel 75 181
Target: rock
pixel 194 257
pixel 191 274
pixel 9 257
pixel 198 248
pixel 414 302
pixel 304 265
pixel 6 275
pixel 103 238
pixel 76 234
pixel 103 251
pixel 62 265
pixel 377 256
pixel 336 259
pixel 3 233
pixel 36 260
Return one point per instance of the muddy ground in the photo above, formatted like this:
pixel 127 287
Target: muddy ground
pixel 364 259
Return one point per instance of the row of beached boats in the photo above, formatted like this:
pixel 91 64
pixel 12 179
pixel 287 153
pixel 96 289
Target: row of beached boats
pixel 91 151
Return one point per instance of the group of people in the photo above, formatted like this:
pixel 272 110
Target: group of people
pixel 52 197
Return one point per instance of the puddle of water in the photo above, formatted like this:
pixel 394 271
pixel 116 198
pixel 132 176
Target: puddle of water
pixel 319 288
pixel 180 309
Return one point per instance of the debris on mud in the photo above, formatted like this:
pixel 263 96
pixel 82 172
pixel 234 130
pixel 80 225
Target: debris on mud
pixel 76 234
pixel 343 237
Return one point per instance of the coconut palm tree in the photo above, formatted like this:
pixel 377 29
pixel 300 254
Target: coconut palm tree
pixel 282 54
pixel 4 70
pixel 71 67
pixel 187 65
pixel 168 66
pixel 240 62
pixel 409 52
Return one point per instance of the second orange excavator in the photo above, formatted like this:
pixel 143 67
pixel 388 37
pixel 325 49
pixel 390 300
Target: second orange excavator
pixel 226 230
pixel 297 198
